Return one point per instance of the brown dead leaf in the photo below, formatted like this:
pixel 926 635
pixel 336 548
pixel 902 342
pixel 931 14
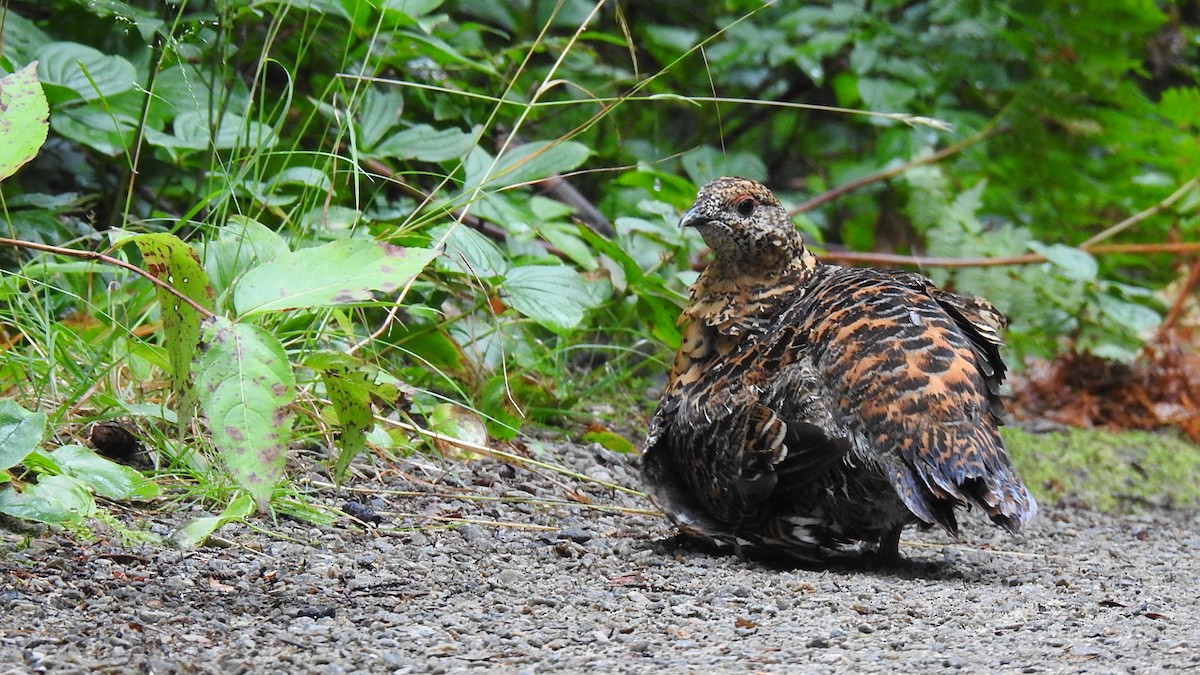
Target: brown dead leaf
pixel 1160 389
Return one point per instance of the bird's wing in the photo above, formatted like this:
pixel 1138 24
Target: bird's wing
pixel 720 452
pixel 911 374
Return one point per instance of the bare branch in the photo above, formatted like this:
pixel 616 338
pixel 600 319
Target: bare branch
pixel 100 257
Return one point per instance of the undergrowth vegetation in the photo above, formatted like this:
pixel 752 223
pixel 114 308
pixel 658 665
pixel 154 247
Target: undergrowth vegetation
pixel 391 225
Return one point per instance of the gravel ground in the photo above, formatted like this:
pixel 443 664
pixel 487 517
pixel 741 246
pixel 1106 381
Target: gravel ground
pixel 578 587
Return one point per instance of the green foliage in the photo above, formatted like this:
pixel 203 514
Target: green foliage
pixel 66 477
pixel 176 264
pixel 20 433
pixel 245 386
pixel 199 530
pixel 23 127
pixel 368 197
pixel 350 269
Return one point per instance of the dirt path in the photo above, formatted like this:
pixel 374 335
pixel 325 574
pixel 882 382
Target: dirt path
pixel 596 590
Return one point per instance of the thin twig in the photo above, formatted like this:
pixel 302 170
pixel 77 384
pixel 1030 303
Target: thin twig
pixel 1139 217
pixel 887 174
pixel 1177 308
pixel 896 259
pixel 100 257
pixel 509 457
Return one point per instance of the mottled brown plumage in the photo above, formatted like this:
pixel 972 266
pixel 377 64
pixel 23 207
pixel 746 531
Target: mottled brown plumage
pixel 816 410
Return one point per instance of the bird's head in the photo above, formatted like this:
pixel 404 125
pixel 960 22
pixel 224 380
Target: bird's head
pixel 746 227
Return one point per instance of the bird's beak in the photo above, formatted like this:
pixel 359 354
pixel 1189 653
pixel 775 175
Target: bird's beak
pixel 691 218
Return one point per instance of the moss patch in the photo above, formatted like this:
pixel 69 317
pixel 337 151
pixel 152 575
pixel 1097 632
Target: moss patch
pixel 1108 471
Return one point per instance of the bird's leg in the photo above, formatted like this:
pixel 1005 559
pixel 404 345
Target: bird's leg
pixel 889 547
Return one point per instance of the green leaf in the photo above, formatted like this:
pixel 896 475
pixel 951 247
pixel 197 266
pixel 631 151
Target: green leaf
pixel 1138 319
pixel 469 252
pixel 342 272
pixel 378 112
pixel 333 7
pixel 524 163
pixel 20 432
pixel 107 478
pixel 885 95
pixel 194 130
pixel 243 244
pixel 552 295
pixel 302 176
pixel 706 163
pixel 146 21
pixel 22 38
pixel 53 499
pixel 563 237
pixel 23 126
pixel 1181 105
pixel 245 384
pixel 1071 262
pixel 89 73
pixel 91 125
pixel 199 530
pixel 411 8
pixel 169 259
pixel 610 440
pixel 427 144
pixel 624 270
pixel 349 385
pixel 457 422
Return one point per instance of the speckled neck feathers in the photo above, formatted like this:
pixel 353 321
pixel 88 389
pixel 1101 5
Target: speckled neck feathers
pixel 759 258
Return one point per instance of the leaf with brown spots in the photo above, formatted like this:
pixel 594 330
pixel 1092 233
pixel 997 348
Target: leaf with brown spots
pixel 350 383
pixel 169 259
pixel 245 384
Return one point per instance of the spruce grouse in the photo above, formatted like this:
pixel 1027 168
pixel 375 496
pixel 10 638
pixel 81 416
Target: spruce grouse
pixel 815 410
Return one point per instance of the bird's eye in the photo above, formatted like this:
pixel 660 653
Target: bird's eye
pixel 745 205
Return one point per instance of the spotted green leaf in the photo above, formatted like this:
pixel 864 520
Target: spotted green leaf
pixel 23 125
pixel 245 386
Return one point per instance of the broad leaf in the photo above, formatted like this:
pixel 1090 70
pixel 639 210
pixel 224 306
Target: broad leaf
pixel 242 245
pixel 86 71
pixel 245 384
pixel 469 252
pixel 107 478
pixel 524 163
pixel 169 259
pixel 53 499
pixel 378 112
pixel 20 432
pixel 706 163
pixel 199 530
pixel 232 131
pixel 1071 262
pixel 343 272
pixel 23 125
pixel 108 132
pixel 553 295
pixel 427 144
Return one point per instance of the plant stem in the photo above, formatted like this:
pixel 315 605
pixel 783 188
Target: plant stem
pixel 887 174
pixel 1139 217
pixel 100 257
pixel 896 259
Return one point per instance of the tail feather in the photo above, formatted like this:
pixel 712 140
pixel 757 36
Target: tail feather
pixel 958 469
